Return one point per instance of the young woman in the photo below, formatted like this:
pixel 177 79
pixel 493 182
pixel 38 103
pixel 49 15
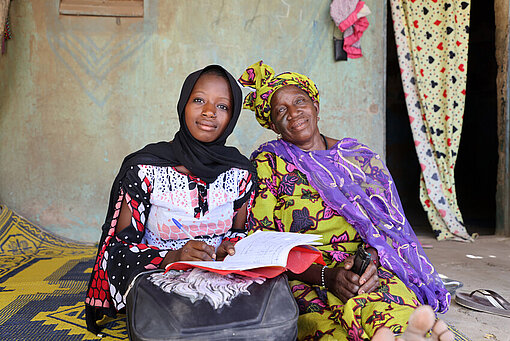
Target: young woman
pixel 194 179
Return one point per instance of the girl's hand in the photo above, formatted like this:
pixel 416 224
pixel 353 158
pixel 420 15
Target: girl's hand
pixel 196 250
pixel 192 250
pixel 226 248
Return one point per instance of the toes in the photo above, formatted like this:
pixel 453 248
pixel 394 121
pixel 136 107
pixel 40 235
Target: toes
pixel 441 332
pixel 421 320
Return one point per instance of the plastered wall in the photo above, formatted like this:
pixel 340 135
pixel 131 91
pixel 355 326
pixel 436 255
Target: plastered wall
pixel 77 94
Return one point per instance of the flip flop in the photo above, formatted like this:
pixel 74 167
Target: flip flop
pixel 490 302
pixel 451 285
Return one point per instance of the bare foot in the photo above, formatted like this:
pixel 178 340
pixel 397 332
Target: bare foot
pixel 421 321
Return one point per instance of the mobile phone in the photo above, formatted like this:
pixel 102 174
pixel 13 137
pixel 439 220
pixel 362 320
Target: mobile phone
pixel 361 260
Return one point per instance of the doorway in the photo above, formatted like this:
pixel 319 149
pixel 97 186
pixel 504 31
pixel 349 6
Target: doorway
pixel 476 167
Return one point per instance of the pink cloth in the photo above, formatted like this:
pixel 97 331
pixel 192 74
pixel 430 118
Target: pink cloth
pixel 345 14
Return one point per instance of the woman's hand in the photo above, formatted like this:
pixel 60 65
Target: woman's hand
pixel 226 248
pixel 342 283
pixel 346 284
pixel 192 250
pixel 368 281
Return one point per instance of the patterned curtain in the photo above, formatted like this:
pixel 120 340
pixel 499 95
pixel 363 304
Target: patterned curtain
pixel 4 11
pixel 432 45
pixel 5 27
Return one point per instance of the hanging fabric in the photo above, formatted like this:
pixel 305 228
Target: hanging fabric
pixel 432 47
pixel 350 18
pixel 5 26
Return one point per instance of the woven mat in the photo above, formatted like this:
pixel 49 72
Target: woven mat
pixel 43 280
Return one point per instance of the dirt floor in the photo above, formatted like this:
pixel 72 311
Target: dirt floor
pixel 484 264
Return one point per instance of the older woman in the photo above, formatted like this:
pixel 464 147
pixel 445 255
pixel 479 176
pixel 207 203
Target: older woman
pixel 310 183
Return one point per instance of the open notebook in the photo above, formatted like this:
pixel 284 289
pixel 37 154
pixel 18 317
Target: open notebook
pixel 264 254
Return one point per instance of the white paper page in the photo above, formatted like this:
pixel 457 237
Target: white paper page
pixel 269 247
pixel 261 249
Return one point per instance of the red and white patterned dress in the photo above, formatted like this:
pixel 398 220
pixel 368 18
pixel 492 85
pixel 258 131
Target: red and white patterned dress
pixel 155 195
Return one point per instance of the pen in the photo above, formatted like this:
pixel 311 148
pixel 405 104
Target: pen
pixel 186 232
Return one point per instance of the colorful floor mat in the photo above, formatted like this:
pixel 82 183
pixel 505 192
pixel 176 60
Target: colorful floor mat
pixel 43 280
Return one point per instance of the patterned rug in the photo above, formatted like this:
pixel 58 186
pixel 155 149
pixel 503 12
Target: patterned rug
pixel 43 279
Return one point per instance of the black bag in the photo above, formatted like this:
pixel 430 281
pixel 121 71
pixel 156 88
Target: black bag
pixel 268 313
pixel 338 46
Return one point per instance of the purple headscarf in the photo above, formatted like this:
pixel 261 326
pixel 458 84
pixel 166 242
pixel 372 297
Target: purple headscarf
pixel 354 181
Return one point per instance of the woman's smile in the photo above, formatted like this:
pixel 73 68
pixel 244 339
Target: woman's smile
pixel 298 124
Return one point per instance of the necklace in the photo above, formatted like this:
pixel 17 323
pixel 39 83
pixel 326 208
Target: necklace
pixel 325 141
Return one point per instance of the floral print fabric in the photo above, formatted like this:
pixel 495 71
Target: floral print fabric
pixel 354 181
pixel 287 202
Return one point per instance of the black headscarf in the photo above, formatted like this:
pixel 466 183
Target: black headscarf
pixel 205 160
pixel 208 160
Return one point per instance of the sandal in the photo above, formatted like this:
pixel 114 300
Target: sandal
pixel 451 285
pixel 489 302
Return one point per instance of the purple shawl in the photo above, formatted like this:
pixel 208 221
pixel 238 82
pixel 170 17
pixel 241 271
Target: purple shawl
pixel 354 181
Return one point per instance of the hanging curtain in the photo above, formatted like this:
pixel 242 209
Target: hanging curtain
pixel 432 46
pixel 5 28
pixel 4 11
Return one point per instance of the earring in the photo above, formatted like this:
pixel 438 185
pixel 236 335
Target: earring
pixel 278 136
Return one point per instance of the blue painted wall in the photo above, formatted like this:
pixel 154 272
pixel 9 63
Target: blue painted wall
pixel 77 94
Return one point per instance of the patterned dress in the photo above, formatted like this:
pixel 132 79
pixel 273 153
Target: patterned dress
pixel 286 202
pixel 155 195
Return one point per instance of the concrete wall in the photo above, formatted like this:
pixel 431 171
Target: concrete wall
pixel 77 94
